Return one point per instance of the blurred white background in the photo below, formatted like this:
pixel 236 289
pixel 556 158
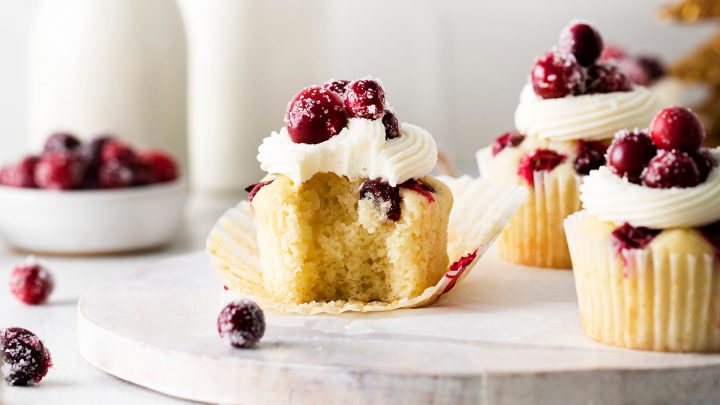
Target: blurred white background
pixel 452 66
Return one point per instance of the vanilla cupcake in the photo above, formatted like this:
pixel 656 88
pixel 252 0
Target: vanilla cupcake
pixel 567 115
pixel 646 247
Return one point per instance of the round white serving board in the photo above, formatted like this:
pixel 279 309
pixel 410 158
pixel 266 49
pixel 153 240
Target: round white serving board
pixel 506 335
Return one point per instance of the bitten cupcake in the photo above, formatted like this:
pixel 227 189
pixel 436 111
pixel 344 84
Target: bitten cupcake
pixel 567 115
pixel 646 247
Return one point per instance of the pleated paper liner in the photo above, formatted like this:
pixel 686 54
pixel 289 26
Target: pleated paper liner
pixel 645 299
pixel 480 211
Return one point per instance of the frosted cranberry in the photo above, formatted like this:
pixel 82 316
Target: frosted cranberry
pixel 315 115
pixel 420 187
pixel 510 139
pixel 392 126
pixel 677 128
pixel 612 52
pixel 705 161
pixel 27 360
pixel 21 174
pixel 115 174
pixel 160 166
pixel 628 237
pixel 583 41
pixel 59 171
pixel 241 324
pixel 338 87
pixel 653 66
pixel 118 151
pixel 31 283
pixel 629 153
pixel 634 71
pixel 591 155
pixel 384 196
pixel 93 154
pixel 671 169
pixel 365 98
pixel 61 142
pixel 556 76
pixel 606 78
pixel 537 161
pixel 254 188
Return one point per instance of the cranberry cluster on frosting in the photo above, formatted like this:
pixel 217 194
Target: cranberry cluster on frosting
pixel 668 155
pixel 317 113
pixel 574 68
pixel 643 70
pixel 68 164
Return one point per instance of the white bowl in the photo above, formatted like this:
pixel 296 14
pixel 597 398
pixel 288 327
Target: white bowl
pixel 92 222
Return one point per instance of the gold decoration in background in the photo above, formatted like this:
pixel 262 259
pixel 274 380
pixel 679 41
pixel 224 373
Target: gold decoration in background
pixel 691 10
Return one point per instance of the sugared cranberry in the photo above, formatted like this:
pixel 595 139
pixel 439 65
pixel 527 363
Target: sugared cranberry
pixel 653 66
pixel 392 126
pixel 711 233
pixel 21 174
pixel 634 71
pixel 539 160
pixel 338 87
pixel 31 283
pixel 705 161
pixel 61 142
pixel 671 169
pixel 385 196
pixel 507 140
pixel 556 76
pixel 606 78
pixel 420 187
pixel 93 151
pixel 612 52
pixel 254 188
pixel 115 174
pixel 583 41
pixel 591 155
pixel 120 152
pixel 160 166
pixel 628 237
pixel 629 153
pixel 27 360
pixel 241 324
pixel 677 128
pixel 315 115
pixel 59 171
pixel 365 98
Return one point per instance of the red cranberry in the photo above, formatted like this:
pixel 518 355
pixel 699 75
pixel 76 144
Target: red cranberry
pixel 677 128
pixel 539 160
pixel 653 66
pixel 628 237
pixel 115 174
pixel 583 41
pixel 382 193
pixel 392 126
pixel 61 142
pixel 338 87
pixel 21 174
pixel 31 283
pixel 510 139
pixel 671 169
pixel 634 71
pixel 27 360
pixel 606 78
pixel 557 76
pixel 365 98
pixel 241 324
pixel 59 171
pixel 612 52
pixel 705 161
pixel 118 151
pixel 591 155
pixel 420 187
pixel 160 166
pixel 315 115
pixel 254 188
pixel 629 153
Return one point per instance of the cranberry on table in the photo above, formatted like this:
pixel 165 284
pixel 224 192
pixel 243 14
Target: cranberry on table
pixel 556 76
pixel 510 139
pixel 591 156
pixel 59 171
pixel 61 142
pixel 606 78
pixel 537 161
pixel 392 125
pixel 27 360
pixel 381 192
pixel 315 115
pixel 241 324
pixel 583 41
pixel 671 169
pixel 677 128
pixel 705 161
pixel 365 98
pixel 629 153
pixel 31 283
pixel 20 174
pixel 338 87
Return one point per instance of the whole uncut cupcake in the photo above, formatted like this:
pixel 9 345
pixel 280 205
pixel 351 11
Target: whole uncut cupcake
pixel 567 115
pixel 646 247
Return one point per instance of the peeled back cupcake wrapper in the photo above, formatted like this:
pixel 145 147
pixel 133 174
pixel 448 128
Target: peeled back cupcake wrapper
pixel 480 211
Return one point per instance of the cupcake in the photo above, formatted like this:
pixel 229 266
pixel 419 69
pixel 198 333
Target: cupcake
pixel 567 115
pixel 347 211
pixel 646 246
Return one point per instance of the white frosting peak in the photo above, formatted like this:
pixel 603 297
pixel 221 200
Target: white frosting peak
pixel 360 150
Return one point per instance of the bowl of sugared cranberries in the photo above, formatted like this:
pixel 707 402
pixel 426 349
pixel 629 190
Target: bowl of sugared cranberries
pixel 96 197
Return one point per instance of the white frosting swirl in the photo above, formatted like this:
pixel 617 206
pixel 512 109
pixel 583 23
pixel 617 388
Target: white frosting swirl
pixel 591 117
pixel 613 199
pixel 360 150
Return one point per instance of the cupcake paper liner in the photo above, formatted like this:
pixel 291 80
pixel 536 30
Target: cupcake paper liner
pixel 481 209
pixel 644 299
